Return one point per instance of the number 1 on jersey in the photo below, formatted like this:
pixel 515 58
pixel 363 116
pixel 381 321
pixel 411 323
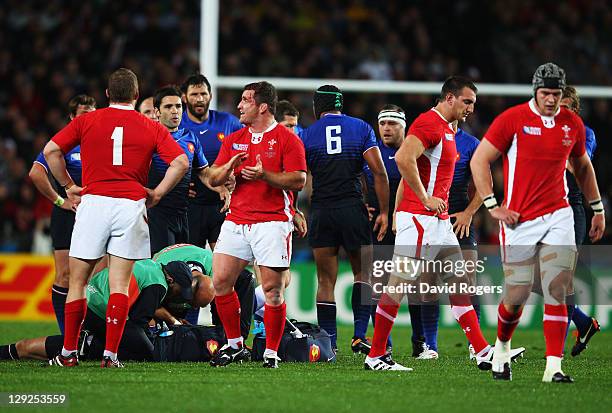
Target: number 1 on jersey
pixel 333 139
pixel 117 138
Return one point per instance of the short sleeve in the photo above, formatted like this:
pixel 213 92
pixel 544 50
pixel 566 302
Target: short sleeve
pixel 198 154
pixel 225 152
pixel 501 132
pixel 294 155
pixel 69 136
pixel 42 161
pixel 591 142
pixel 166 147
pixel 579 147
pixel 369 138
pixel 425 131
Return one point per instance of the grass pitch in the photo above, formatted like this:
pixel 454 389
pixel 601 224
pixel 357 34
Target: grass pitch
pixel 451 383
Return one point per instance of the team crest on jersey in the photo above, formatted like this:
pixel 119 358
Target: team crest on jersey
pixel 532 130
pixel 256 138
pixel 240 146
pixel 220 136
pixel 449 136
pixel 271 143
pixel 190 147
pixel 567 140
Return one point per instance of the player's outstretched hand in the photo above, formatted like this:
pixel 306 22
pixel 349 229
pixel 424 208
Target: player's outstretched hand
pixel 153 198
pixel 598 226
pixel 74 195
pixel 381 224
pixel 237 160
pixel 462 223
pixel 507 216
pixel 252 173
pixel 299 222
pixel 435 204
pixel 371 211
pixel 226 197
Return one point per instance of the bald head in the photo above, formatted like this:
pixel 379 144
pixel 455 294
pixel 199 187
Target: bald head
pixel 204 292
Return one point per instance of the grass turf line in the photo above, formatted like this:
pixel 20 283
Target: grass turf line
pixel 449 382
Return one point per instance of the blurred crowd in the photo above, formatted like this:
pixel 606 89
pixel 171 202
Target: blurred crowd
pixel 53 50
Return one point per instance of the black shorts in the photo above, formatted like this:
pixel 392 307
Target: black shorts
pixel 167 228
pixel 204 223
pixel 334 227
pixel 62 223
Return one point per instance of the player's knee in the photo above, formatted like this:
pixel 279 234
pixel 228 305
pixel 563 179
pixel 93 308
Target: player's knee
pixel 516 295
pixel 62 277
pixel 557 264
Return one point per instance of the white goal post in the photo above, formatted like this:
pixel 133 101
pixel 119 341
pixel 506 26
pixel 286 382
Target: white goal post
pixel 209 47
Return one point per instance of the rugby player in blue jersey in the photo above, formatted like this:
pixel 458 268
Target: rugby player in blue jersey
pixel 336 146
pixel 62 216
pixel 210 127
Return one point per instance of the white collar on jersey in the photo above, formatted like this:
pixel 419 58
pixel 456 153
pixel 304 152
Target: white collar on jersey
pixel 122 107
pixel 450 124
pixel 534 109
pixel 272 126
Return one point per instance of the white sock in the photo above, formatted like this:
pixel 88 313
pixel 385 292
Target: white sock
pixel 107 353
pixel 270 353
pixel 235 342
pixel 553 363
pixel 66 353
pixel 502 346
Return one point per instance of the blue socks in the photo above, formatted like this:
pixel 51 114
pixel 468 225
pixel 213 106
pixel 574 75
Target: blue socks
pixel 326 317
pixel 430 315
pixel 361 302
pixel 58 299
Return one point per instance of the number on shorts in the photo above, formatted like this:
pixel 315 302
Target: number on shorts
pixel 117 138
pixel 333 139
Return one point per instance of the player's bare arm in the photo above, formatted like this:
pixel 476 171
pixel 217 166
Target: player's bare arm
pixel 57 165
pixel 585 176
pixel 289 181
pixel 40 179
pixel 176 170
pixel 398 198
pixel 463 219
pixel 480 164
pixel 219 175
pixel 222 190
pixel 381 186
pixel 406 158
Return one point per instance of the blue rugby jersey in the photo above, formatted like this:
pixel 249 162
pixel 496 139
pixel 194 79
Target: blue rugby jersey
pixel 210 133
pixel 574 195
pixel 73 165
pixel 458 198
pixel 176 199
pixel 388 156
pixel 334 153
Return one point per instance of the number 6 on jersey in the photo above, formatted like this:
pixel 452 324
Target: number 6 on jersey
pixel 117 138
pixel 333 138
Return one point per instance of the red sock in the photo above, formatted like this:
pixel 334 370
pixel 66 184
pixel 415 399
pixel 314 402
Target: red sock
pixel 464 313
pixel 385 317
pixel 274 322
pixel 555 325
pixel 74 314
pixel 506 322
pixel 116 314
pixel 228 308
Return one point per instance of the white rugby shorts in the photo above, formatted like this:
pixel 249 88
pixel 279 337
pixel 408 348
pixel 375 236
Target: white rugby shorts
pixel 114 225
pixel 268 243
pixel 422 236
pixel 519 242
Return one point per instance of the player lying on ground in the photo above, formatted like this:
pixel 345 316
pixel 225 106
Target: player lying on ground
pixel 152 285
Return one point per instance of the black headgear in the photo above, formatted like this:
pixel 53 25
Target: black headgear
pixel 327 98
pixel 550 76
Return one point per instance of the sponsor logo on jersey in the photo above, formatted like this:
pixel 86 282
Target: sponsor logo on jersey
pixel 202 132
pixel 532 130
pixel 220 136
pixel 256 138
pixel 449 136
pixel 240 146
pixel 315 353
pixel 190 147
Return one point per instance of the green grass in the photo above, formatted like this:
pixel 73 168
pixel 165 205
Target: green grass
pixel 450 383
